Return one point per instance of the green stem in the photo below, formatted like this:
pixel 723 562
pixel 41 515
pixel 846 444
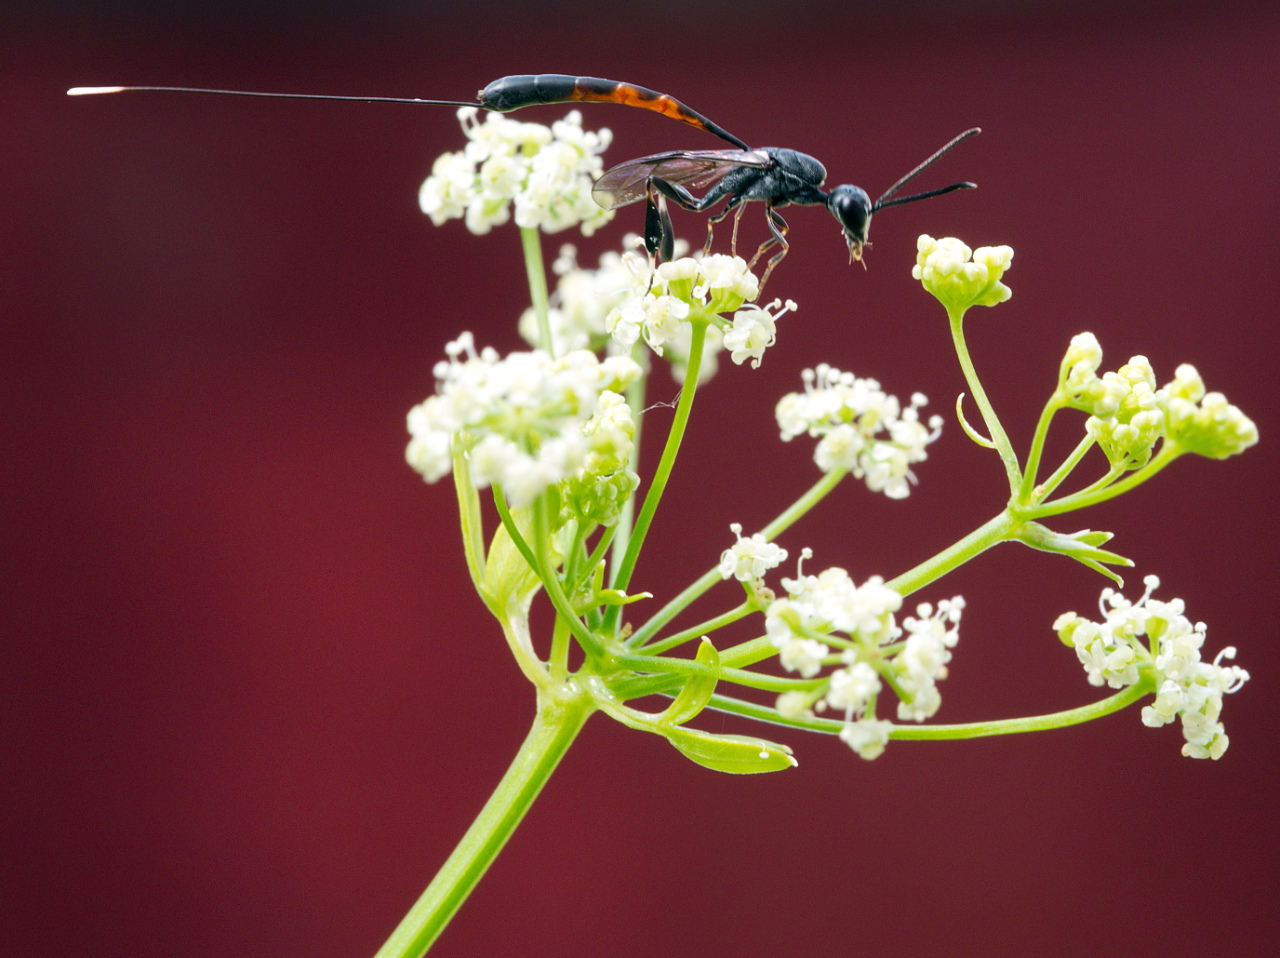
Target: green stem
pixel 690 667
pixel 622 530
pixel 699 630
pixel 559 657
pixel 1080 500
pixel 597 556
pixel 1034 723
pixel 999 529
pixel 738 656
pixel 1068 466
pixel 532 242
pixel 472 523
pixel 551 580
pixel 573 559
pixel 815 494
pixel 691 593
pixel 556 725
pixel 509 522
pixel 994 428
pixel 1037 449
pixel 628 564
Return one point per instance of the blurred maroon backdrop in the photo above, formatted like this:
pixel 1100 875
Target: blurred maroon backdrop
pixel 250 700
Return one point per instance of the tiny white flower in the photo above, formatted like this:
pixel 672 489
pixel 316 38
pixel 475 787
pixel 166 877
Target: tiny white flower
pixel 749 559
pixel 803 656
pixel 661 305
pixel 1169 701
pixel 754 330
pixel 794 705
pixel 852 688
pixel 867 737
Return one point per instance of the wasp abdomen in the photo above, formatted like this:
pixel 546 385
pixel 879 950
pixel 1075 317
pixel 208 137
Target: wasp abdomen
pixel 515 92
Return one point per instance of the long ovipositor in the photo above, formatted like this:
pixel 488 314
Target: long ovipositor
pixel 500 96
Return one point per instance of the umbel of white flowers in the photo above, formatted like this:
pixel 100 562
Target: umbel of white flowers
pixel 529 422
pixel 1189 689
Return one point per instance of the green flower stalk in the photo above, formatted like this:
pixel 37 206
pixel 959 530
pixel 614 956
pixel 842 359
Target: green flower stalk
pixel 553 433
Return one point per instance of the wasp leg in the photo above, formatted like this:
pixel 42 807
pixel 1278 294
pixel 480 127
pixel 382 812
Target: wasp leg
pixel 735 203
pixel 659 235
pixel 737 218
pixel 777 226
pixel 687 201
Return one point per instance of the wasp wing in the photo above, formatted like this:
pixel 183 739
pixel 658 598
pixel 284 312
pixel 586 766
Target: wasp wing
pixel 693 169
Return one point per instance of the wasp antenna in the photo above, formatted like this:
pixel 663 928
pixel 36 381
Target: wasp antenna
pixel 88 90
pixel 880 203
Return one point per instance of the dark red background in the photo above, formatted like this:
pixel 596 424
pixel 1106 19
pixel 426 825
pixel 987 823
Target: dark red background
pixel 250 700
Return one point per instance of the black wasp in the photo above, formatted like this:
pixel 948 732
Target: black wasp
pixel 773 175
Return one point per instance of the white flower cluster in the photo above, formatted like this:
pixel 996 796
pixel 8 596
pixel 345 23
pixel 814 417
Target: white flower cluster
pixel 750 559
pixel 547 172
pixel 1112 653
pixel 1204 422
pixel 804 626
pixel 663 302
pixel 923 661
pixel 1128 414
pixel 850 414
pixel 943 266
pixel 829 602
pixel 587 304
pixel 525 422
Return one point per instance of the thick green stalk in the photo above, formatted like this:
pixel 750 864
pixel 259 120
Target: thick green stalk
pixel 999 529
pixel 1046 488
pixel 701 629
pixel 1037 449
pixel 558 721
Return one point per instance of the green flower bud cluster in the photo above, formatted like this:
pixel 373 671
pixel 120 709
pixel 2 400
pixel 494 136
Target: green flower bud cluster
pixel 1128 414
pixel 945 269
pixel 599 491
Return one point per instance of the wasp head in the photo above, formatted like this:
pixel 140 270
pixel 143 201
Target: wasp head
pixel 852 207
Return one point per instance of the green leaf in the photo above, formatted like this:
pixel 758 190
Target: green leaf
pixel 735 754
pixel 695 695
pixel 507 573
